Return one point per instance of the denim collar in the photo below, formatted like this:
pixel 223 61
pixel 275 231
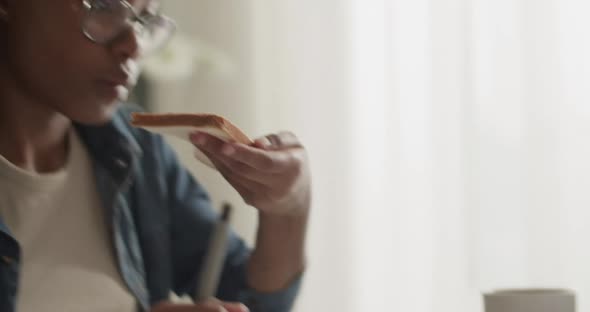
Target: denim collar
pixel 111 141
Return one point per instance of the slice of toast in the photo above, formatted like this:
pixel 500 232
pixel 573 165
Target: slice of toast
pixel 182 125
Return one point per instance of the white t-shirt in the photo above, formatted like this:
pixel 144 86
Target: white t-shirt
pixel 68 262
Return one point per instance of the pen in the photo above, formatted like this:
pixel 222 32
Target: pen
pixel 215 257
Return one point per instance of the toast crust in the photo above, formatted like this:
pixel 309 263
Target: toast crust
pixel 190 120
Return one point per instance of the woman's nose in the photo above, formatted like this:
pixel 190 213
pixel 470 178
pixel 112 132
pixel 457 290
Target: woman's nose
pixel 128 44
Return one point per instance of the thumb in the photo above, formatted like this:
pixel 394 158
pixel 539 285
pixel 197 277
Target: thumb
pixel 235 307
pixel 225 306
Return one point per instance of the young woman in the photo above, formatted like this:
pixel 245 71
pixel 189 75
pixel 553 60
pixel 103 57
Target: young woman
pixel 98 216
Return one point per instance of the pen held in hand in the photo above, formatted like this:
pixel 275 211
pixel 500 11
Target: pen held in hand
pixel 215 257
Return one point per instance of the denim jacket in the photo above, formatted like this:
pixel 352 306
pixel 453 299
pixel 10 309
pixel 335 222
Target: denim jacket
pixel 159 219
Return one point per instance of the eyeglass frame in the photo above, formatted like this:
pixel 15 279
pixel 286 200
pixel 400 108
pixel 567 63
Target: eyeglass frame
pixel 133 20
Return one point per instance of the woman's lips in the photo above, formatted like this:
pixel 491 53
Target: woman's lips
pixel 124 81
pixel 115 88
pixel 118 83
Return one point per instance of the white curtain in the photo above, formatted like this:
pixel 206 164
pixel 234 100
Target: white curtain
pixel 449 141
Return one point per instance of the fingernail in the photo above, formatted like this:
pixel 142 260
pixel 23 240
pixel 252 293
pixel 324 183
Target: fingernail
pixel 243 308
pixel 264 142
pixel 228 150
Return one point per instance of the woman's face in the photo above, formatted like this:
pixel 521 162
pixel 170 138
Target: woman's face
pixel 51 61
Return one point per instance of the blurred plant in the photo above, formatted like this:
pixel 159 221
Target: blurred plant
pixel 181 59
pixel 184 57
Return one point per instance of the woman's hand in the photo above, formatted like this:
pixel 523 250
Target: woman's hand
pixel 271 175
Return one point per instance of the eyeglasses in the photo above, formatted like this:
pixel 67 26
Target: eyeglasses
pixel 107 20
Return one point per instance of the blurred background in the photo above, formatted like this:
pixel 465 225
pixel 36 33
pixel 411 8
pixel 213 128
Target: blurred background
pixel 448 138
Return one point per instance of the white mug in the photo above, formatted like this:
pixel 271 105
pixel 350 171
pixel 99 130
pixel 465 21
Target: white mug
pixel 530 300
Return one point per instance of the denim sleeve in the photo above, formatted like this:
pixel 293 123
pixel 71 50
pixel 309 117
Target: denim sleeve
pixel 192 221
